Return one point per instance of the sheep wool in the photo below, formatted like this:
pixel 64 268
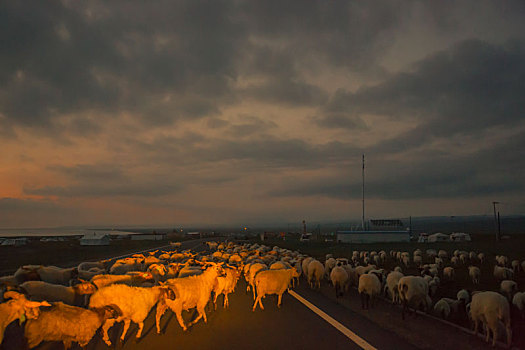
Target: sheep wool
pixel 134 302
pixel 339 278
pixel 413 291
pixel 43 291
pixel 490 308
pixel 315 273
pixel 67 324
pixel 369 287
pixel 392 280
pixel 190 292
pixel 273 282
pixel 16 308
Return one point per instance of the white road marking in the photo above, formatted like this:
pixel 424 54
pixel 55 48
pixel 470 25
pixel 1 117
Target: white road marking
pixel 348 333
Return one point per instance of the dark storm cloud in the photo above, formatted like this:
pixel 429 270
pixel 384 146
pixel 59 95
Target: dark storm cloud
pixel 473 86
pixel 150 188
pixel 60 57
pixel 338 120
pixel 105 180
pixel 251 125
pixel 346 33
pixel 55 59
pixel 16 204
pixel 486 172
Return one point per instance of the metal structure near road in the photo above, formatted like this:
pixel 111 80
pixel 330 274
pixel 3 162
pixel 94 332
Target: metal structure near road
pixel 497 226
pixel 363 195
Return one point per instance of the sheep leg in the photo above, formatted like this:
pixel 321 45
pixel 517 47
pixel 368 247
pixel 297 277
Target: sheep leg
pixel 279 300
pixel 107 325
pixel 199 316
pixel 161 308
pixel 215 300
pixel 509 334
pixel 125 330
pixel 226 301
pixel 139 332
pixel 178 313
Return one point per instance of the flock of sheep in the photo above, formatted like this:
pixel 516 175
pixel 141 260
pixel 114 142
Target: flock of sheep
pixel 71 305
pixel 430 271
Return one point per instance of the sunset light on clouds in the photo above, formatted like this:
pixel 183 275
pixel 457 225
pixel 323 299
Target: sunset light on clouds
pixel 239 112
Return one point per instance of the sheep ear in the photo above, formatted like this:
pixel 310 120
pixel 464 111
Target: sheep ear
pixel 12 295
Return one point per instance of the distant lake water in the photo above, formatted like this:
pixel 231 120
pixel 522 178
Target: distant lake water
pixel 31 232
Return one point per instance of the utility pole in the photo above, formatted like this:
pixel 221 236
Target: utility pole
pixel 363 195
pixel 497 226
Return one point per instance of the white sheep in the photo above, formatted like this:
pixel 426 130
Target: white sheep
pixel 449 273
pixel 225 285
pixel 329 264
pixel 502 260
pixel 442 308
pixel 369 288
pixel 17 308
pixel 135 304
pixel 433 286
pixel 508 288
pixel 490 308
pixel 519 302
pixel 135 279
pixel 503 273
pixel 254 270
pixel 315 273
pixel 27 273
pixel 339 278
pixel 122 266
pixel 57 275
pixel 272 282
pixel 515 266
pixel 481 258
pixel 442 254
pixel 413 291
pixel 475 273
pixel 418 260
pixel 392 280
pixel 464 296
pixel 68 324
pixel 279 265
pixel 431 253
pixel 43 291
pixel 304 265
pixel 190 292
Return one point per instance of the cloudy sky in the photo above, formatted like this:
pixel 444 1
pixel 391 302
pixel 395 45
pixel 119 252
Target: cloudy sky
pixel 242 112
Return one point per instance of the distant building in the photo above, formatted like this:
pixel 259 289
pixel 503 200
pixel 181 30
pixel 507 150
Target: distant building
pixel 378 230
pixel 15 241
pixel 438 237
pixel 372 236
pixel 149 237
pixel 95 238
pixel 460 237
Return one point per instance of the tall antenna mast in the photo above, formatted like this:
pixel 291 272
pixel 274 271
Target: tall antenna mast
pixel 363 193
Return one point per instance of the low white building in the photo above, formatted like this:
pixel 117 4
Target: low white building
pixel 438 237
pixel 372 236
pixel 148 237
pixel 95 238
pixel 460 237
